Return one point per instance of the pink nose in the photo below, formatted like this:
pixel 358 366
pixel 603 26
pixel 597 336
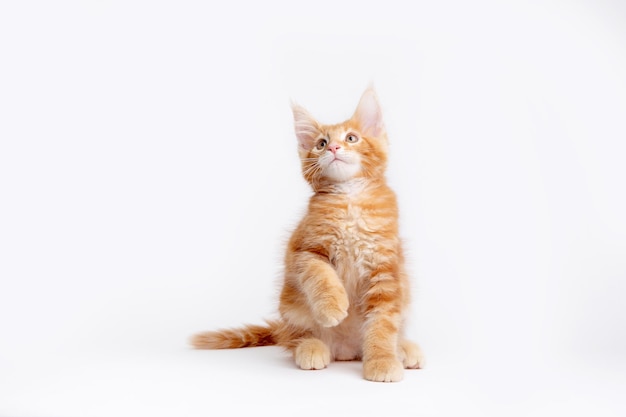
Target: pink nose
pixel 333 147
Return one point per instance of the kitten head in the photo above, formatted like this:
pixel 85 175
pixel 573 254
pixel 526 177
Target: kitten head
pixel 334 154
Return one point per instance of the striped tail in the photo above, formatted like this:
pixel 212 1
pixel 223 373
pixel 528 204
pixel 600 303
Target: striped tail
pixel 246 336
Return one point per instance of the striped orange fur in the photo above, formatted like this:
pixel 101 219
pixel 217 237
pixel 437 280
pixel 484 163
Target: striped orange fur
pixel 345 292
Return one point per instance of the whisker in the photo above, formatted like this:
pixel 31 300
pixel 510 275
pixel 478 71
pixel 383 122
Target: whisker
pixel 312 171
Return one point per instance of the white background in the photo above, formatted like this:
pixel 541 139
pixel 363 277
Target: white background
pixel 149 180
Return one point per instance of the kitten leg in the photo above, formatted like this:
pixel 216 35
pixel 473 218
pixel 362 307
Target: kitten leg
pixel 411 355
pixel 324 291
pixel 312 354
pixel 380 342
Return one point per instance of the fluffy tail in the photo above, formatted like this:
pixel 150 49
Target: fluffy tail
pixel 246 336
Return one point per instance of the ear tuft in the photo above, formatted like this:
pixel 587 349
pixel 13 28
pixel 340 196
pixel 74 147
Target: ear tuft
pixel 369 114
pixel 307 128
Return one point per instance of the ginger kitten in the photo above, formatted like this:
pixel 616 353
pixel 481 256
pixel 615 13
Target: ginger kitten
pixel 345 292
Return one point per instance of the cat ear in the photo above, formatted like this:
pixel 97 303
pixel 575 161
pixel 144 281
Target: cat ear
pixel 369 115
pixel 307 128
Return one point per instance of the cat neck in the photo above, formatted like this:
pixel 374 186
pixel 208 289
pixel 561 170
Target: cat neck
pixel 348 188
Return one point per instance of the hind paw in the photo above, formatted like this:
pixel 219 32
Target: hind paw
pixel 312 354
pixel 411 355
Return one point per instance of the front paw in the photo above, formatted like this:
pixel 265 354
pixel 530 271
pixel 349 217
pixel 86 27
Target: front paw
pixel 383 370
pixel 332 308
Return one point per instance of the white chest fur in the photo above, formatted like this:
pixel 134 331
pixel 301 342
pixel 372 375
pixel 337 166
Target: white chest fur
pixel 352 254
pixel 353 250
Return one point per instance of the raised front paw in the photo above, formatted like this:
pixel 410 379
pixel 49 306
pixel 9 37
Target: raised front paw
pixel 331 308
pixel 383 370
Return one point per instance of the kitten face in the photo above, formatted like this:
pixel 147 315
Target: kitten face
pixel 334 154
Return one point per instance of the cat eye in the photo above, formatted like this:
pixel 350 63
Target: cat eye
pixel 321 144
pixel 352 138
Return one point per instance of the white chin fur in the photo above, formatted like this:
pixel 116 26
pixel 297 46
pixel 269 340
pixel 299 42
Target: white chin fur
pixel 340 171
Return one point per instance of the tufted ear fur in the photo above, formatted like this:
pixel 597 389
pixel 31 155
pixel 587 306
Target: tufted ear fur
pixel 307 128
pixel 369 115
